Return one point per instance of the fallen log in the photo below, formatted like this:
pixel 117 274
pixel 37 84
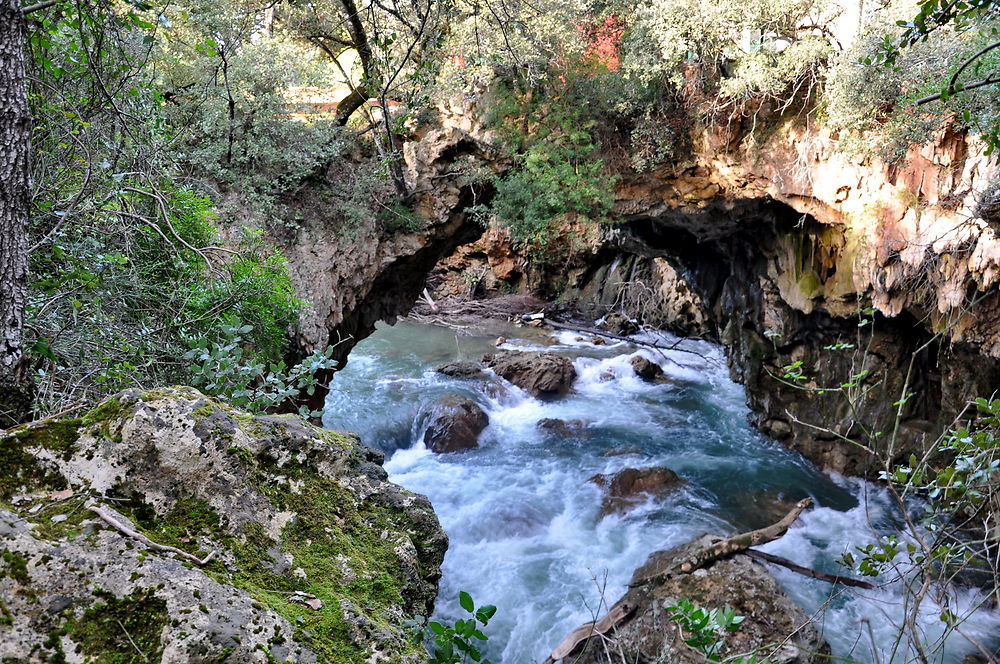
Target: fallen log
pixel 729 546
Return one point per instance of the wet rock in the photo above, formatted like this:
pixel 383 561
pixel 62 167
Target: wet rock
pixel 455 424
pixel 557 427
pixel 540 374
pixel 774 627
pixel 630 487
pixel 646 369
pixel 467 370
pixel 619 323
pixel 277 501
pixel 598 341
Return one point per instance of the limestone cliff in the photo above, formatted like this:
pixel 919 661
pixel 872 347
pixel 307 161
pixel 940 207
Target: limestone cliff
pixel 874 282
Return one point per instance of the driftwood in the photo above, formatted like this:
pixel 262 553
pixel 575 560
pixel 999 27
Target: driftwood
pixel 617 613
pixel 112 520
pixel 729 546
pixel 698 559
pixel 805 571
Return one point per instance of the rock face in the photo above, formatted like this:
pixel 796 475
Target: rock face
pixel 648 635
pixel 539 374
pixel 628 488
pixel 316 557
pixel 646 369
pixel 454 425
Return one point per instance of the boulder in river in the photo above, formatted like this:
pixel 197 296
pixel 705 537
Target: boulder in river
pixel 557 427
pixel 540 374
pixel 166 522
pixel 619 323
pixel 639 628
pixel 628 488
pixel 646 369
pixel 461 370
pixel 454 425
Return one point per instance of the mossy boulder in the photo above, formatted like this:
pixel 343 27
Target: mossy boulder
pixel 316 557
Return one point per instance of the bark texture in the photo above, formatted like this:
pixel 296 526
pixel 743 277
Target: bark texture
pixel 15 142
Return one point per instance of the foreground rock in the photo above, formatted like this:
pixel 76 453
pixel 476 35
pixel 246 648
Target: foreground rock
pixel 540 374
pixel 455 424
pixel 713 573
pixel 632 486
pixel 775 627
pixel 307 553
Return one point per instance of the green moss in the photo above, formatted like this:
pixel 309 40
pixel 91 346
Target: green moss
pixel 14 566
pixel 189 519
pixel 68 528
pixel 22 470
pixel 121 631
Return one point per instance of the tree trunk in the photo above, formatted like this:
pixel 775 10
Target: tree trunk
pixel 359 38
pixel 15 145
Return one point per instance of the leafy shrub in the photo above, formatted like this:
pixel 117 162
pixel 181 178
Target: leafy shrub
pixel 228 371
pixel 456 643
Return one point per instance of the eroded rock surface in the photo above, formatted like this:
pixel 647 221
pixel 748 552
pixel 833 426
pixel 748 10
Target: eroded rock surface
pixel 647 635
pixel 539 374
pixel 454 425
pixel 286 508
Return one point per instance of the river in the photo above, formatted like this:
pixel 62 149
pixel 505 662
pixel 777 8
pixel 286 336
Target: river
pixel 525 525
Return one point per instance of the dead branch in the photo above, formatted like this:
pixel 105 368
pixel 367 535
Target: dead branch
pixel 630 339
pixel 111 519
pixel 805 571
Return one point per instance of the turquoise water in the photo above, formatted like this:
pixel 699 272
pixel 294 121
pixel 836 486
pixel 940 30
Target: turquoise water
pixel 525 526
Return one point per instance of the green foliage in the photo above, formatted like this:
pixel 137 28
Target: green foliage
pixel 226 86
pixel 459 642
pixel 559 169
pixel 901 79
pixel 706 630
pixel 228 371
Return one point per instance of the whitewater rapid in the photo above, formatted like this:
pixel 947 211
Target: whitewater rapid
pixel 525 528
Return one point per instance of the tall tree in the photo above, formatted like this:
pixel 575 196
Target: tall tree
pixel 15 147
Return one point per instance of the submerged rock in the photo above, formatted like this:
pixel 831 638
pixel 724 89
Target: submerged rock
pixel 646 369
pixel 557 427
pixel 455 425
pixel 619 323
pixel 540 374
pixel 289 512
pixel 628 488
pixel 774 627
pixel 461 370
